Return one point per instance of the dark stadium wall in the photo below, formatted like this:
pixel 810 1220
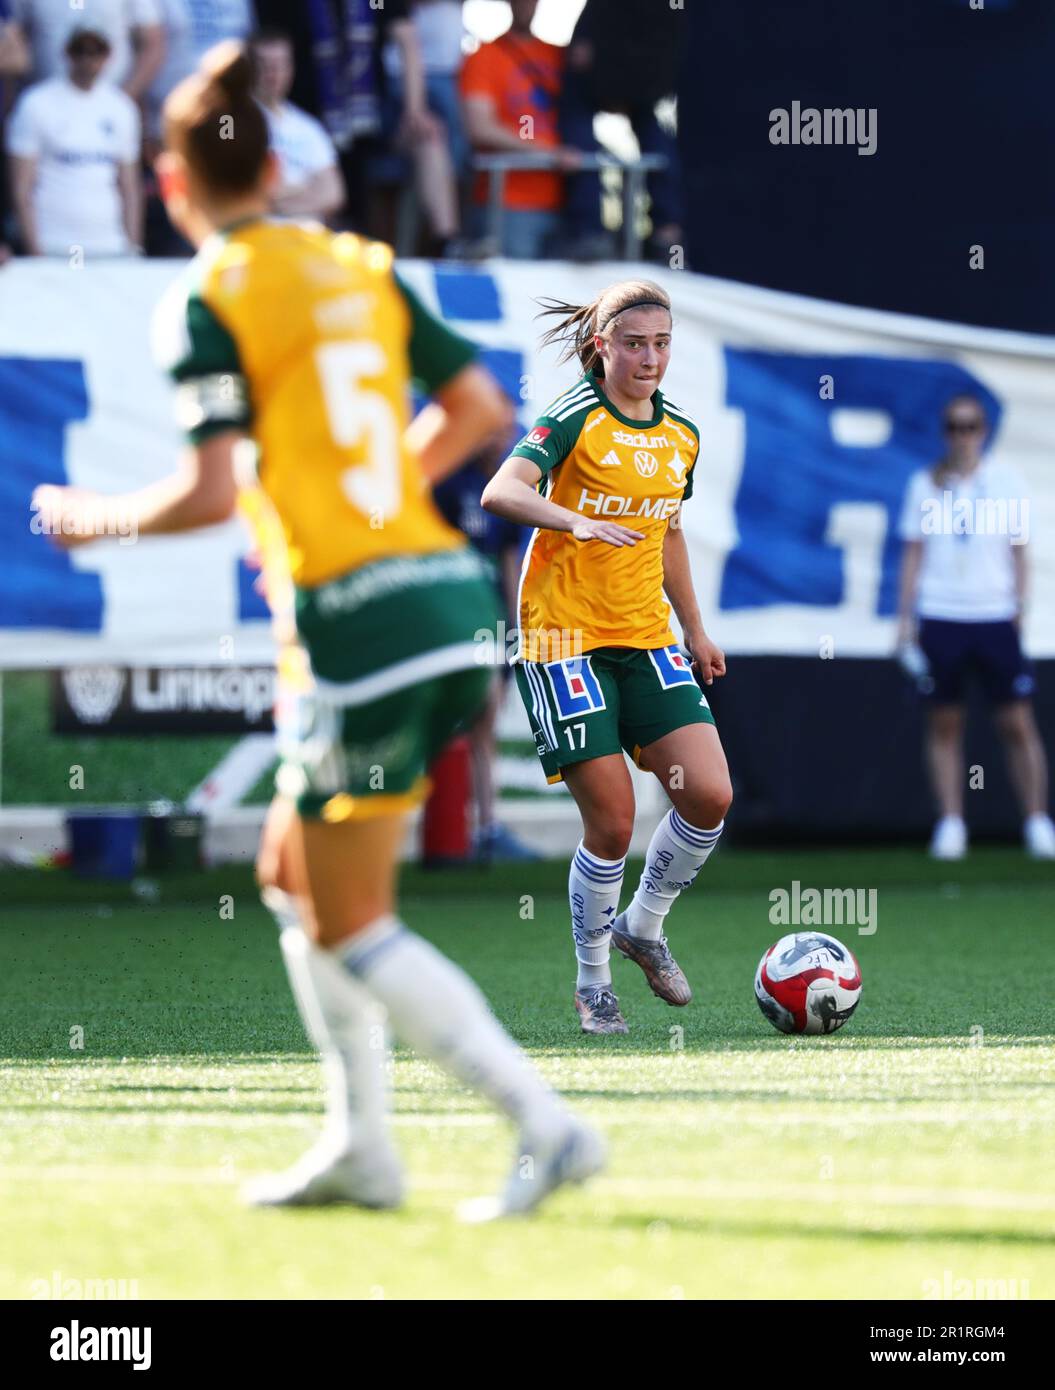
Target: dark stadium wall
pixel 833 751
pixel 966 126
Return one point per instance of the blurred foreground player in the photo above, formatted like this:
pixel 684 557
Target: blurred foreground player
pixel 963 591
pixel 304 342
pixel 499 542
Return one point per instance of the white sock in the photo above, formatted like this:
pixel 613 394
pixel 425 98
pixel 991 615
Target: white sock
pixel 438 1010
pixel 347 1026
pixel 676 854
pixel 594 886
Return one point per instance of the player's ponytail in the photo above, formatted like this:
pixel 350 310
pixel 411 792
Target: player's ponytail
pixel 212 119
pixel 578 324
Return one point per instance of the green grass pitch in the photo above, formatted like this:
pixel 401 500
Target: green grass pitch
pixel 906 1156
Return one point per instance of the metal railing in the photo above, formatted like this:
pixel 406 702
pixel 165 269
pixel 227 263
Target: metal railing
pixel 634 171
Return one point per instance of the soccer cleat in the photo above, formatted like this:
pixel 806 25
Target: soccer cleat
pixel 1039 833
pixel 598 1010
pixel 543 1163
pixel 664 975
pixel 949 840
pixel 367 1178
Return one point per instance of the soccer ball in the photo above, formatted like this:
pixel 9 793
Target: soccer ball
pixel 808 983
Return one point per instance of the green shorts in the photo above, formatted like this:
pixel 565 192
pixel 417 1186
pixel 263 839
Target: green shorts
pixel 608 700
pixel 401 655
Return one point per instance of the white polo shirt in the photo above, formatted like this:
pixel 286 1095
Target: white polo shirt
pixel 968 526
pixel 301 143
pixel 78 139
pixel 48 24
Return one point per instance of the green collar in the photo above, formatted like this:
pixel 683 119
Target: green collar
pixel 657 406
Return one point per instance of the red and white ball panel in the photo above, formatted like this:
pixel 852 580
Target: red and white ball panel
pixel 808 983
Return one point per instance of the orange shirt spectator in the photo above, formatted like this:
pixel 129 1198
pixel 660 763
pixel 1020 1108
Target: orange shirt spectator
pixel 520 76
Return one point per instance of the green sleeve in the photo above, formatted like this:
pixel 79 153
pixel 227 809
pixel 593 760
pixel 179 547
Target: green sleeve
pixel 200 354
pixel 688 482
pixel 437 353
pixel 549 441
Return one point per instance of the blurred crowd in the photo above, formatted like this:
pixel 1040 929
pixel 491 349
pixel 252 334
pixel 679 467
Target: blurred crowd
pixel 377 115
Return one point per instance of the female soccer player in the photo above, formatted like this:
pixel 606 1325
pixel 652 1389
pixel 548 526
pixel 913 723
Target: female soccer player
pixel 597 664
pixel 304 343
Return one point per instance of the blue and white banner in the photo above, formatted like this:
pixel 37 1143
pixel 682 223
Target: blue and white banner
pixel 813 417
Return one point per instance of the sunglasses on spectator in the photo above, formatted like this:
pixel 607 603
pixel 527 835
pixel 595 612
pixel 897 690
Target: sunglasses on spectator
pixel 962 426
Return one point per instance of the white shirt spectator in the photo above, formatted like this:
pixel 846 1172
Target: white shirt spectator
pixel 440 31
pixel 301 143
pixel 440 34
pixel 967 527
pixel 48 24
pixel 78 139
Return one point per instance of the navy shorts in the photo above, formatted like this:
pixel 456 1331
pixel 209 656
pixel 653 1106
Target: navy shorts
pixel 990 651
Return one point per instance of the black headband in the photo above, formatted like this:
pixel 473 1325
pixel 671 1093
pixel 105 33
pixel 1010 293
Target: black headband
pixel 637 304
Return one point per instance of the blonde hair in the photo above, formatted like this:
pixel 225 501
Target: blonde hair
pixel 579 323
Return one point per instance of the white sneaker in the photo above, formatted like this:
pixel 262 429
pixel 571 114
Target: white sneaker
pixel 1039 835
pixel 949 840
pixel 573 1154
pixel 369 1178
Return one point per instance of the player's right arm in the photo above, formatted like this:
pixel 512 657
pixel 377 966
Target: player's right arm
pixel 513 491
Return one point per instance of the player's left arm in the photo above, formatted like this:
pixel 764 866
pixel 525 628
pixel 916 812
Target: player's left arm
pixel 677 585
pixel 202 492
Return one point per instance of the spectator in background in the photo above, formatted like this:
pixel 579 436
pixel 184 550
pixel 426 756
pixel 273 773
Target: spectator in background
pixel 499 541
pixel 440 31
pixel 441 156
pixel 14 60
pixel 311 184
pixel 617 63
pixel 511 89
pixel 340 77
pixel 962 593
pixel 14 51
pixel 74 148
pixel 133 29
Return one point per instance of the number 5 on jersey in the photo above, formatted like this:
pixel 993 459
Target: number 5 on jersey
pixel 362 419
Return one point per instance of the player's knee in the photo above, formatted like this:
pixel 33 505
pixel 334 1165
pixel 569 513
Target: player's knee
pixel 706 806
pixel 611 840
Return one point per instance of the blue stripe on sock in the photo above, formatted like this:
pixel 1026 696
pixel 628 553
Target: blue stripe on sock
pixel 600 864
pixel 356 967
pixel 702 840
pixel 597 878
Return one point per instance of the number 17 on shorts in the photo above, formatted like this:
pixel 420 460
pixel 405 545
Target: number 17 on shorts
pixel 570 717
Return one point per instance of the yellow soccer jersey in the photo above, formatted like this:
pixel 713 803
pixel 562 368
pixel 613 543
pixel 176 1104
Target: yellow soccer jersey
pixel 307 341
pixel 576 596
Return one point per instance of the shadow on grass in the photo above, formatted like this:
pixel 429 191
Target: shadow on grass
pixel 770 1230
